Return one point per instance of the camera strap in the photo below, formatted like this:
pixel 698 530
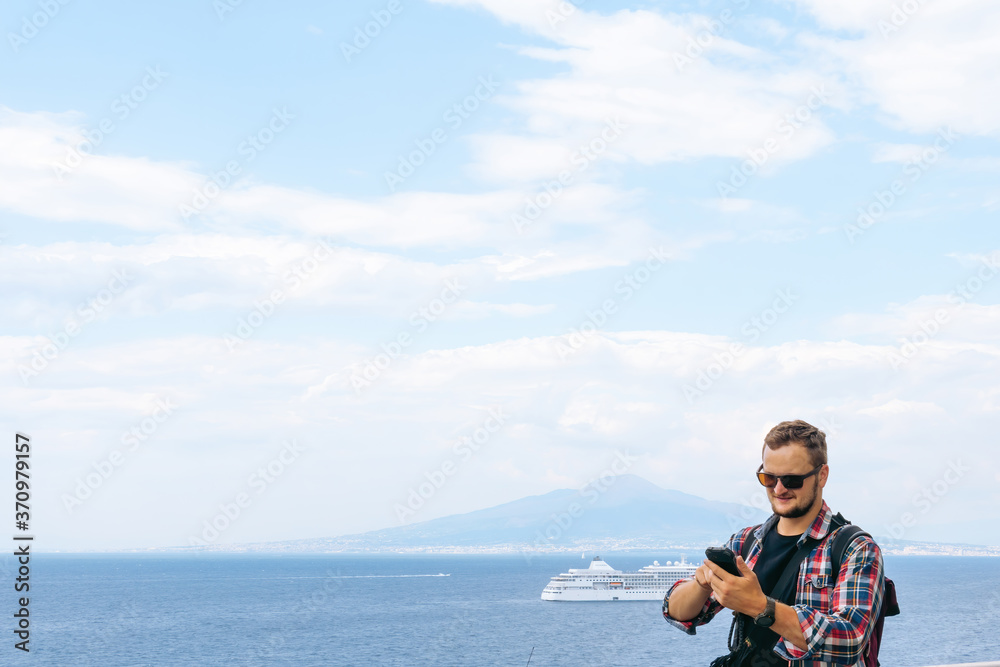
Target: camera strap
pixel 784 591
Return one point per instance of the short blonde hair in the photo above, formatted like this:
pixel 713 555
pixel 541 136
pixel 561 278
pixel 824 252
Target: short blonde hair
pixel 799 432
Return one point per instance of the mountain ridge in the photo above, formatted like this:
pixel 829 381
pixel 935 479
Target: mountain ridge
pixel 626 513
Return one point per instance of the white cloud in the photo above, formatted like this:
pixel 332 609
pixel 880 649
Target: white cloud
pixel 859 15
pixel 731 204
pixel 175 273
pixel 565 420
pixel 975 261
pixel 133 193
pixel 926 68
pixel 146 196
pixel 140 194
pixel 950 318
pixel 478 310
pixel 631 65
pixel 539 15
pixel 901 153
pixel 898 407
pixel 623 65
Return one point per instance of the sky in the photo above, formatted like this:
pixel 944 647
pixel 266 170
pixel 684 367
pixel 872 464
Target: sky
pixel 279 271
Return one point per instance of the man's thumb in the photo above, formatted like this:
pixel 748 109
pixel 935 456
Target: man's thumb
pixel 742 565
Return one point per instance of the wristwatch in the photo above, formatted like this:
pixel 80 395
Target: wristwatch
pixel 765 619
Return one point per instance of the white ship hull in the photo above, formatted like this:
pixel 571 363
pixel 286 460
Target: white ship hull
pixel 597 595
pixel 601 582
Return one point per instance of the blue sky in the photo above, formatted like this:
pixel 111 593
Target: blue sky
pixel 640 110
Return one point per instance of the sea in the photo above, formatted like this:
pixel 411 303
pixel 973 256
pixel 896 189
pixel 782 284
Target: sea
pixel 241 609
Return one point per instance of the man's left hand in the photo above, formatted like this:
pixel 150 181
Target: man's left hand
pixel 742 594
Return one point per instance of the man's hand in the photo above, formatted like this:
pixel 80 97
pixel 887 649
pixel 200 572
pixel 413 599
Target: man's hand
pixel 742 594
pixel 703 576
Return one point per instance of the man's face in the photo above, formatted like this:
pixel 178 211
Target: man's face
pixel 793 459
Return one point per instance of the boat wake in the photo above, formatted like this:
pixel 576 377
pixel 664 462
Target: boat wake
pixel 386 576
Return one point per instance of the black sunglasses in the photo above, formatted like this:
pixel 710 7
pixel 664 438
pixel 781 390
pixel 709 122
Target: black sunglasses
pixel 787 481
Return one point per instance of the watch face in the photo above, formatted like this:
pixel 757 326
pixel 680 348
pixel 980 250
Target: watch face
pixel 764 621
pixel 766 618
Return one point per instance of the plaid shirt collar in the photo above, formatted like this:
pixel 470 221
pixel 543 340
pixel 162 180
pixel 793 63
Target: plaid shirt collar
pixel 819 529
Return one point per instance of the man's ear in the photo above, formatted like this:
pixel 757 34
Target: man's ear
pixel 824 475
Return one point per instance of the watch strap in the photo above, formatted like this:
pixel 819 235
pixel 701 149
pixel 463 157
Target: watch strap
pixel 767 614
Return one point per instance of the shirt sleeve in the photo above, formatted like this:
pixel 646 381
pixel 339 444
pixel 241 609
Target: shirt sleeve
pixel 711 606
pixel 840 636
pixel 707 613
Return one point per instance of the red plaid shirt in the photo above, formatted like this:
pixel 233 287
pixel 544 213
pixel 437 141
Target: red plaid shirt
pixel 837 611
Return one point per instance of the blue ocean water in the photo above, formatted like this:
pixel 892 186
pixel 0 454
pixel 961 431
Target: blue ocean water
pixel 134 610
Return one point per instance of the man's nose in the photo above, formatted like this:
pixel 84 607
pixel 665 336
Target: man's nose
pixel 779 488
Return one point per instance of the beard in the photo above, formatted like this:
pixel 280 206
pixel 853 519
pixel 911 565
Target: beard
pixel 798 509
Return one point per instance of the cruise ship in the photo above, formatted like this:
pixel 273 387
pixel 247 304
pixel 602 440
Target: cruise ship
pixel 600 581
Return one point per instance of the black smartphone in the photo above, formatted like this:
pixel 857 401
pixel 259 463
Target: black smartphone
pixel 724 558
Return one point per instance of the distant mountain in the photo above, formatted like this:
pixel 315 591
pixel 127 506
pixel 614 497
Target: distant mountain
pixel 630 508
pixel 627 512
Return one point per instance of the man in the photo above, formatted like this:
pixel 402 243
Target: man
pixel 834 613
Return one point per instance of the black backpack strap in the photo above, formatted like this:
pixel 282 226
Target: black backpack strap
pixel 841 541
pixel 785 589
pixel 747 543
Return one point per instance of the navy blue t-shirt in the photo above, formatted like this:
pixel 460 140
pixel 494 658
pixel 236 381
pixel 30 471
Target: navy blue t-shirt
pixel 774 557
pixel 777 551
